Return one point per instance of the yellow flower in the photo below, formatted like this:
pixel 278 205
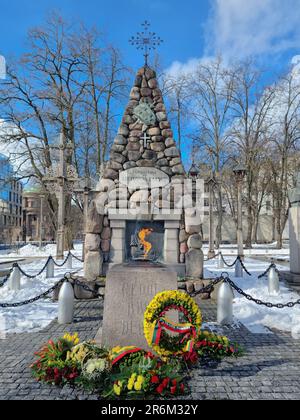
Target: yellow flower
pixel 118 388
pixel 139 383
pixel 131 381
pixel 72 338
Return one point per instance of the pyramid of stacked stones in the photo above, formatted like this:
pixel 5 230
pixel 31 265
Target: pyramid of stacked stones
pixel 129 152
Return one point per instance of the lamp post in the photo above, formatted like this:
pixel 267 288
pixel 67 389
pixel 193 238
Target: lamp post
pixel 239 173
pixel 41 220
pixel 61 183
pixel 211 184
pixel 86 192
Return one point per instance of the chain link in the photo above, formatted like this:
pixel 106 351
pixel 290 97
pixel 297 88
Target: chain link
pixel 258 301
pixel 212 258
pixel 76 258
pixel 35 299
pixel 29 276
pixel 229 265
pixel 6 278
pixel 87 288
pixel 207 288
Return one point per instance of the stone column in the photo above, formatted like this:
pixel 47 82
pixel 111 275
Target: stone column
pixel 117 247
pixel 171 243
pixel 294 227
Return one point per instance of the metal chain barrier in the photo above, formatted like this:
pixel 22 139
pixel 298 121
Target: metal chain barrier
pixel 6 278
pixel 243 266
pixel 258 301
pixel 63 263
pixel 87 288
pixel 35 275
pixel 229 265
pixel 265 273
pixel 77 258
pixel 207 288
pixel 35 299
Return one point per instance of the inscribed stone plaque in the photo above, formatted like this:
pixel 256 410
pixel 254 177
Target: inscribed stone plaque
pixel 129 290
pixel 144 177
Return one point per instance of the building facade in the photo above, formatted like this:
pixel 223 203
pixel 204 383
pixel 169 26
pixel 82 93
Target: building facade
pixel 37 224
pixel 11 211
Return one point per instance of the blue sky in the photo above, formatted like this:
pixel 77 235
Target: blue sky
pixel 191 29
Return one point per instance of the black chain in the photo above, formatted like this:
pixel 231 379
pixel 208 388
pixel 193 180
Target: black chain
pixel 258 301
pixel 243 266
pixel 229 265
pixel 87 288
pixel 35 275
pixel 268 270
pixel 6 278
pixel 207 288
pixel 63 263
pixel 32 300
pixel 77 258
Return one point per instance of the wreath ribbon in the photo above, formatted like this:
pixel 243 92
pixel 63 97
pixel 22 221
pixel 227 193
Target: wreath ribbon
pixel 118 356
pixel 187 329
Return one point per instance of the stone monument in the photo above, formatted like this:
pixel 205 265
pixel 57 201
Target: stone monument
pixel 294 229
pixel 144 224
pixel 144 152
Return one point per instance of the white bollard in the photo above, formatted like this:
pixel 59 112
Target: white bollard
pixel 273 280
pixel 225 304
pixel 50 269
pixel 66 304
pixel 220 261
pixel 15 279
pixel 238 269
pixel 69 262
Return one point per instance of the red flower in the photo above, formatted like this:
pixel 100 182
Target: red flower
pixel 174 382
pixel 173 390
pixel 165 382
pixel 232 349
pixel 220 346
pixel 182 388
pixel 150 355
pixel 159 389
pixel 155 380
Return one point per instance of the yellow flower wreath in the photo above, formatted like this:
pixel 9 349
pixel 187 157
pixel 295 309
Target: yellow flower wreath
pixel 161 302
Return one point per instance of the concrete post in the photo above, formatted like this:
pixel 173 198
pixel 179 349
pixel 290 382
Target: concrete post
pixel 50 269
pixel 66 304
pixel 225 304
pixel 238 269
pixel 220 261
pixel 273 280
pixel 69 262
pixel 15 279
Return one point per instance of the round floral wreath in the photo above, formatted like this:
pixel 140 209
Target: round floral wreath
pixel 156 323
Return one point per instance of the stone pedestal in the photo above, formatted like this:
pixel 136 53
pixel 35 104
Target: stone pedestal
pixel 294 226
pixel 129 290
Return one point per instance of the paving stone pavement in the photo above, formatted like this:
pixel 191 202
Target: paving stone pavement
pixel 270 368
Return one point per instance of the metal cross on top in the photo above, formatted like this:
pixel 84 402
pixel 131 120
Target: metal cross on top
pixel 145 140
pixel 146 40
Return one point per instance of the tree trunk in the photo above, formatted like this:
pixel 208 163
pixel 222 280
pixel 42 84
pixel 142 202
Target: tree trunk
pixel 220 220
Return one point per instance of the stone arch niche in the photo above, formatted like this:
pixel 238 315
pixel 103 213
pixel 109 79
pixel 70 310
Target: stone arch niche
pixel 144 182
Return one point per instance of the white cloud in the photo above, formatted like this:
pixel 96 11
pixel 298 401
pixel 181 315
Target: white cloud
pixel 241 28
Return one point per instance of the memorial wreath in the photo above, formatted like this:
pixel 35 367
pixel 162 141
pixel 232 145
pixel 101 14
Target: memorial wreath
pixel 156 324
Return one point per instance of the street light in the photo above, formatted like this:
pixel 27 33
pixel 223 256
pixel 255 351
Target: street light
pixel 61 182
pixel 211 182
pixel 193 172
pixel 240 172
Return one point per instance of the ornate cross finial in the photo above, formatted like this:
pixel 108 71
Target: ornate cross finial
pixel 146 40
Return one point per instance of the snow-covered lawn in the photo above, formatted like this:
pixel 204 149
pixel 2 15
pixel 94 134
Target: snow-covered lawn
pixel 35 316
pixel 256 318
pixel 268 250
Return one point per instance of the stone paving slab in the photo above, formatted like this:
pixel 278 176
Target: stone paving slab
pixel 270 368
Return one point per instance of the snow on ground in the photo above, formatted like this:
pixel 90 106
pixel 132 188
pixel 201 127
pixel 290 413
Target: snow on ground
pixel 34 316
pixel 256 318
pixel 34 251
pixel 268 250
